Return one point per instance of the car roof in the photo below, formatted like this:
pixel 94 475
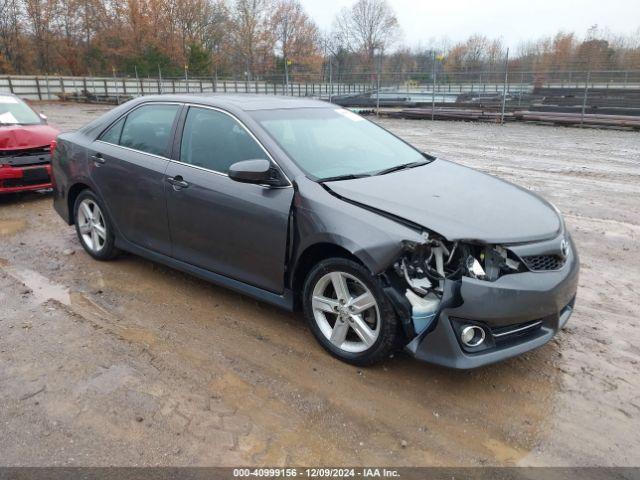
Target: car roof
pixel 246 102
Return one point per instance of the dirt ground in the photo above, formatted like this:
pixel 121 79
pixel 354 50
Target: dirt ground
pixel 131 363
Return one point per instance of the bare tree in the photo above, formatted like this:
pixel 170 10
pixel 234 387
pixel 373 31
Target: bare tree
pixel 296 35
pixel 250 35
pixel 367 26
pixel 11 55
pixel 41 14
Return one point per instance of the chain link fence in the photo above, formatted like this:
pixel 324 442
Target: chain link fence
pixel 496 95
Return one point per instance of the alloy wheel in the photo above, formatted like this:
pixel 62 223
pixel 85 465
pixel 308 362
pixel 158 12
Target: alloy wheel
pixel 346 312
pixel 92 226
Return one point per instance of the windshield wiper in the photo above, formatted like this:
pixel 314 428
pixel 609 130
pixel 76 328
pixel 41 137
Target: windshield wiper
pixel 403 166
pixel 350 176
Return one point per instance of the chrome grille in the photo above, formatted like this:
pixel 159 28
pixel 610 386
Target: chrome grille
pixel 544 262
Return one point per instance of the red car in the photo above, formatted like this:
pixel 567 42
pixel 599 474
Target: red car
pixel 25 147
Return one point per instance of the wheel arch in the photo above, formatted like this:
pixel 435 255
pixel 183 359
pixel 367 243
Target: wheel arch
pixel 311 256
pixel 74 191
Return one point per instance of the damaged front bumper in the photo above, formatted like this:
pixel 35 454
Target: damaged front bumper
pixel 517 312
pixel 27 178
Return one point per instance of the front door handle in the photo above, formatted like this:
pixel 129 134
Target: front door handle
pixel 177 182
pixel 98 159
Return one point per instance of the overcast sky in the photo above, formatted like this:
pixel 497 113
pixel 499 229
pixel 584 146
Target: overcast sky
pixel 513 21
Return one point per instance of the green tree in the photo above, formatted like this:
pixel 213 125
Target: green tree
pixel 199 60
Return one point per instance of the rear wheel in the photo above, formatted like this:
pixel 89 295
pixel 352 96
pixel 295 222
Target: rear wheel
pixel 93 227
pixel 348 312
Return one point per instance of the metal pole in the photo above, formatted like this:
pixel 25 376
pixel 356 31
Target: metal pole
pixel 135 67
pixel 160 89
pixel 504 87
pixel 521 87
pixel 286 72
pixel 378 85
pixel 186 76
pixel 433 88
pixel 330 80
pixel 584 98
pixel 46 79
pixel 113 71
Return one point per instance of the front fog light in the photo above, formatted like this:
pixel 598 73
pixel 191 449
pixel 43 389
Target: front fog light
pixel 472 335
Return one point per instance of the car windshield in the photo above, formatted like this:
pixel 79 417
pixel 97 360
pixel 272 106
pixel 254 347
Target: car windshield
pixel 14 111
pixel 336 143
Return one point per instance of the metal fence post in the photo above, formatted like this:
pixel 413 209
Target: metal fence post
pixel 46 79
pixel 504 87
pixel 584 98
pixel 378 86
pixel 115 81
pixel 521 87
pixel 38 88
pixel 433 88
pixel 330 79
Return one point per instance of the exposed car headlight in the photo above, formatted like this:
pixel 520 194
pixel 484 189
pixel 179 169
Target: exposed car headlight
pixel 426 266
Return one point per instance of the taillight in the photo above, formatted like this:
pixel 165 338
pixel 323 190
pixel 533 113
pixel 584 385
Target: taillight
pixel 52 147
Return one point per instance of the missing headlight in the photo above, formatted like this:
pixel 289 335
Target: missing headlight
pixel 426 266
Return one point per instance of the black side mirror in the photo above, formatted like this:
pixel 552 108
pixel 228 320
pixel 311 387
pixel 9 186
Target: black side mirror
pixel 256 171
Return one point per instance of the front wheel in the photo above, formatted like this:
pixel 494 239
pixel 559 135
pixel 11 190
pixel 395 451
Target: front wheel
pixel 348 312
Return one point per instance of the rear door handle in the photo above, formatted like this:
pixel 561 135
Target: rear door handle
pixel 98 160
pixel 177 182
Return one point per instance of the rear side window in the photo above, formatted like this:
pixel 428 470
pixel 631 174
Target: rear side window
pixel 113 134
pixel 214 140
pixel 148 128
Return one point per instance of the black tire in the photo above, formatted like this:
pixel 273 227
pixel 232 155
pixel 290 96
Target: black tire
pixel 389 334
pixel 108 250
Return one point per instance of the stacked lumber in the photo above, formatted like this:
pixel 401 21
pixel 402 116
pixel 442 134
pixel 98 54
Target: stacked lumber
pixel 89 97
pixel 562 118
pixel 444 113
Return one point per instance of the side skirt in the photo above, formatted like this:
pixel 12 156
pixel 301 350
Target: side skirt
pixel 284 301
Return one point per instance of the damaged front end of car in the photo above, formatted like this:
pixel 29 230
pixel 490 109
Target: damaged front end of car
pixel 464 304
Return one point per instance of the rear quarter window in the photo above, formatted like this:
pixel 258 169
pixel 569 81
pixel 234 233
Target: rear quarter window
pixel 147 129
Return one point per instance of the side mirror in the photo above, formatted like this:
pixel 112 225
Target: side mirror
pixel 43 117
pixel 256 171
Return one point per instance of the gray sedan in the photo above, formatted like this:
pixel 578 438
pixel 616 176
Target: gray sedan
pixel 311 207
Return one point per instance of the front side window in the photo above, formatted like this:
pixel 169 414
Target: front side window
pixel 327 142
pixel 148 128
pixel 214 140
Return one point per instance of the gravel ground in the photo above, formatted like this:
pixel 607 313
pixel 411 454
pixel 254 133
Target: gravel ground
pixel 132 363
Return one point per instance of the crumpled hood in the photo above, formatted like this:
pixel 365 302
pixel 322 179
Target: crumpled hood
pixel 457 202
pixel 15 137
